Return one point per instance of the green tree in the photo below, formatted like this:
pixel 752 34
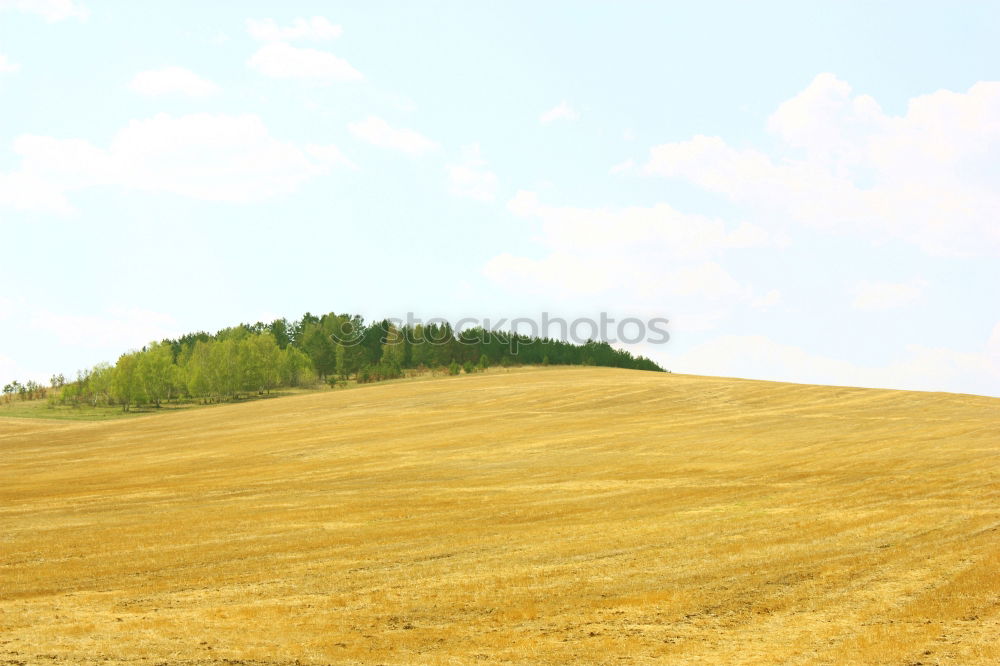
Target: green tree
pixel 156 372
pixel 421 351
pixel 265 362
pixel 319 345
pixel 197 371
pixel 396 350
pixel 98 385
pixel 349 359
pixel 225 369
pixel 281 331
pixel 296 368
pixel 126 381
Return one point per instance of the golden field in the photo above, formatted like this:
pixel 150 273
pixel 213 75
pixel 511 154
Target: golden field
pixel 557 515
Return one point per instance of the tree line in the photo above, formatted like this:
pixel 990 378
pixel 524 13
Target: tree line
pixel 29 390
pixel 257 358
pixel 343 345
pixel 226 366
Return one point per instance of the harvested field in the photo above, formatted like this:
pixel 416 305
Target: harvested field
pixel 540 515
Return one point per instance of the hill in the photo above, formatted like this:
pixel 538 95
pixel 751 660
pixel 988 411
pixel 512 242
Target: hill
pixel 534 515
pixel 253 359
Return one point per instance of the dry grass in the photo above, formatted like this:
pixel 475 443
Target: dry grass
pixel 543 516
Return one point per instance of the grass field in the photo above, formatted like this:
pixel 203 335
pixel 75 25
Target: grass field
pixel 534 516
pixel 43 409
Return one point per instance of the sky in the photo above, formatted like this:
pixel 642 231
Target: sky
pixel 809 193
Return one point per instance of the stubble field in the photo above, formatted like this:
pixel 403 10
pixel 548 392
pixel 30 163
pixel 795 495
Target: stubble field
pixel 535 516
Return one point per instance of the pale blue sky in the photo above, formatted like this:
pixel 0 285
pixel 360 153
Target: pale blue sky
pixel 809 192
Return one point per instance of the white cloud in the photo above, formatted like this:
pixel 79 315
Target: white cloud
pixel 768 300
pixel 203 156
pixel 623 167
pixel 50 10
pixel 318 28
pixel 331 155
pixel 10 370
pixel 635 254
pixel 921 369
pixel 29 192
pixel 378 132
pixel 6 66
pixel 172 80
pixel 283 61
pixel 696 322
pixel 470 178
pixel 123 329
pixel 706 280
pixel 843 164
pixel 524 203
pixel 561 111
pixel 559 273
pixel 9 307
pixel 887 295
pixel 659 229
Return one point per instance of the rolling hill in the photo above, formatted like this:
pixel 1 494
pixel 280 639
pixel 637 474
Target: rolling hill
pixel 537 515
